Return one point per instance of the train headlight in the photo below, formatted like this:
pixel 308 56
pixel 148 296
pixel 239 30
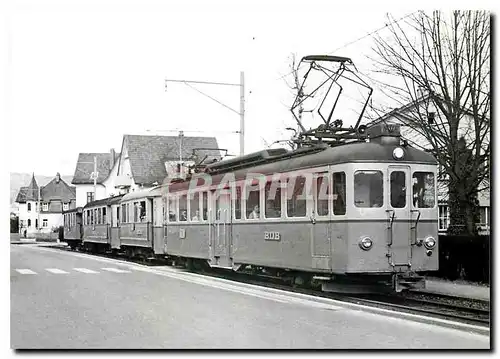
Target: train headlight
pixel 398 153
pixel 429 242
pixel 365 243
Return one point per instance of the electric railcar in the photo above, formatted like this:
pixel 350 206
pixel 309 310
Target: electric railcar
pixel 352 216
pixel 360 213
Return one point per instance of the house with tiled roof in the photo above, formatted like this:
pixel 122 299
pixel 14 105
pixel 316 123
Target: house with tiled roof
pixel 83 179
pixel 145 161
pixel 40 207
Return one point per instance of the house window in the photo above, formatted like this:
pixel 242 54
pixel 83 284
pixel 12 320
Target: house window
pixel 29 223
pixel 45 222
pixel 444 217
pixel 29 207
pixel 90 197
pixel 484 216
pixel 36 223
pixel 65 206
pixel 45 207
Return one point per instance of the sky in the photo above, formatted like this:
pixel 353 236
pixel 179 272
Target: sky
pixel 81 74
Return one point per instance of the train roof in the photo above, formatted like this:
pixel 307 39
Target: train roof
pixel 151 192
pixel 317 156
pixel 72 210
pixel 323 155
pixel 104 202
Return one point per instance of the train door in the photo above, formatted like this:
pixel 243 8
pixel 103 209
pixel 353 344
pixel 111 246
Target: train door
pixel 220 236
pixel 320 222
pixel 157 226
pixel 399 217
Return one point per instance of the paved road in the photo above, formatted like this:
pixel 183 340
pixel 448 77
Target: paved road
pixel 73 301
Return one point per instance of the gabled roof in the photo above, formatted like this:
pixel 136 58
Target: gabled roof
pixel 29 193
pixel 148 154
pixel 58 189
pixel 85 166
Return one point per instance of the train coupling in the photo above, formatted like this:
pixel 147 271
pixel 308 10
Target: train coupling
pixel 407 281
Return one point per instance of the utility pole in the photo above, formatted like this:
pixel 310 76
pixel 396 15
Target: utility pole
pixel 241 112
pixel 95 174
pixel 39 209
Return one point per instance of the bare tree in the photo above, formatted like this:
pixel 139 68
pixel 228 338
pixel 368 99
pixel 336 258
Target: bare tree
pixel 444 61
pixel 293 83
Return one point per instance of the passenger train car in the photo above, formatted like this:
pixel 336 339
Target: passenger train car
pixel 355 215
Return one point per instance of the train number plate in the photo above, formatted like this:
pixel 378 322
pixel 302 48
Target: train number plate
pixel 182 233
pixel 272 236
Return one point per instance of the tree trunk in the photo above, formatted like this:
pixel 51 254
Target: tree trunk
pixel 463 210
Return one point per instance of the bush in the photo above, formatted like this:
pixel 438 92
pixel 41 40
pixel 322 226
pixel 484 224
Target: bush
pixel 464 257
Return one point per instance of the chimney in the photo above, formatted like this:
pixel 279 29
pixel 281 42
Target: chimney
pixel 112 163
pixel 58 177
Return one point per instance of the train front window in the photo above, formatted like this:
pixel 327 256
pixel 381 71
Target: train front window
pixel 398 189
pixel 368 189
pixel 424 190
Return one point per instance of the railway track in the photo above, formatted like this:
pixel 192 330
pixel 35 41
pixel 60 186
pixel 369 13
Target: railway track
pixel 464 310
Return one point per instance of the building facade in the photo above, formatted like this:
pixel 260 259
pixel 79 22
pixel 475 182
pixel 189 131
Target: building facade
pixel 40 207
pixel 143 162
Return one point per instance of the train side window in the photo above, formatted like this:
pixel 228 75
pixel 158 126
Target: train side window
pixel 183 208
pixel 172 209
pixel 142 211
pixel 424 190
pixel 252 202
pixel 194 207
pixel 368 189
pixel 104 215
pixel 296 197
pixel 205 205
pixel 339 193
pixel 272 197
pixel 322 192
pixel 398 189
pixel 123 214
pixel 99 216
pixel 237 203
pixel 135 206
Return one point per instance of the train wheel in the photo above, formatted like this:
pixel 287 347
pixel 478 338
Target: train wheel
pixel 190 266
pixel 302 280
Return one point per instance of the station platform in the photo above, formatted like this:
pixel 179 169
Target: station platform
pixel 465 290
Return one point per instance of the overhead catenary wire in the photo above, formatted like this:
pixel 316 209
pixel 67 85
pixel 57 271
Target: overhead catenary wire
pixel 357 40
